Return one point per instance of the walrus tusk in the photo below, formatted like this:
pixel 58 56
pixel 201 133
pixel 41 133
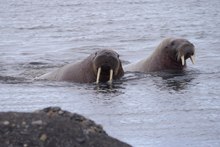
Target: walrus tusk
pixel 192 58
pixel 98 75
pixel 183 60
pixel 111 76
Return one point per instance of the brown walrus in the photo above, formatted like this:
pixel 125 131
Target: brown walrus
pixel 101 66
pixel 171 54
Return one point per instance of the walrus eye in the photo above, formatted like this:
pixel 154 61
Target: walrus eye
pixel 172 43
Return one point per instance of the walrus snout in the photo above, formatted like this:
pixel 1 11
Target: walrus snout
pixel 186 50
pixel 107 69
pixel 107 61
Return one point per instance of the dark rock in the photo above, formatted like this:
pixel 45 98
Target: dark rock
pixel 52 127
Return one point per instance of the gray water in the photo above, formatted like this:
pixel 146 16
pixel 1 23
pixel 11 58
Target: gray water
pixel 158 109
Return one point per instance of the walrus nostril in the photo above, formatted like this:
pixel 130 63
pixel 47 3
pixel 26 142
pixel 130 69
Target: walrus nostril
pixel 106 62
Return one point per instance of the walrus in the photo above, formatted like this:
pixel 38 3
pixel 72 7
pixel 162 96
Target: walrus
pixel 171 54
pixel 101 66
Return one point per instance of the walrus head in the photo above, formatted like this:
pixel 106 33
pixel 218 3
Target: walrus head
pixel 107 66
pixel 178 50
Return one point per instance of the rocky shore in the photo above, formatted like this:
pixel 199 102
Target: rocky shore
pixel 52 127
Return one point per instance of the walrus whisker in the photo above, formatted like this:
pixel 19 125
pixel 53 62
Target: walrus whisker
pixel 111 76
pixel 98 75
pixel 192 58
pixel 183 60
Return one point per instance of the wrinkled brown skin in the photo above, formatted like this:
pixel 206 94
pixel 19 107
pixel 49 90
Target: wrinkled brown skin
pixel 165 57
pixel 85 71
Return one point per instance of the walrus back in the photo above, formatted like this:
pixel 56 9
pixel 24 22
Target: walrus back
pixel 80 72
pixel 47 76
pixel 56 75
pixel 139 66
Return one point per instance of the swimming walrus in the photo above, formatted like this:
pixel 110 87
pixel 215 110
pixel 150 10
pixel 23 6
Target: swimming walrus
pixel 101 66
pixel 171 54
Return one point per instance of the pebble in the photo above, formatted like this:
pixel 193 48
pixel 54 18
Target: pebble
pixel 6 123
pixel 23 123
pixel 60 112
pixel 37 122
pixel 43 137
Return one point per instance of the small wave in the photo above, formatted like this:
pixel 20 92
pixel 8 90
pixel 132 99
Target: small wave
pixel 37 27
pixel 41 65
pixel 134 76
pixel 12 80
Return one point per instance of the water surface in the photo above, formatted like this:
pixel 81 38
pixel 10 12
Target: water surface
pixel 158 109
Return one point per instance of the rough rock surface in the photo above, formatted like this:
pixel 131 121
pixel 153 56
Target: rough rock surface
pixel 52 127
